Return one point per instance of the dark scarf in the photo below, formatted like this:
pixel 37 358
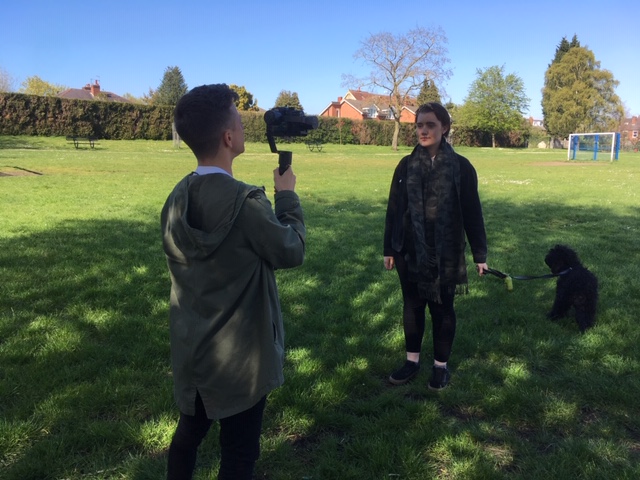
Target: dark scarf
pixel 436 220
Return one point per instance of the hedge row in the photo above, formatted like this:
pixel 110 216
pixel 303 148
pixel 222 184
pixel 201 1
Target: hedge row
pixel 22 114
pixel 51 116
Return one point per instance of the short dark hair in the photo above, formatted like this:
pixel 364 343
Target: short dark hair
pixel 441 114
pixel 202 115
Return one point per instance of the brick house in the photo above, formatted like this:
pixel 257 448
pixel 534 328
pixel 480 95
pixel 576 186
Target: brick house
pixel 534 122
pixel 359 105
pixel 630 130
pixel 92 92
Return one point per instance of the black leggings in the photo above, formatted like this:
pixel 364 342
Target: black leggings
pixel 443 316
pixel 239 443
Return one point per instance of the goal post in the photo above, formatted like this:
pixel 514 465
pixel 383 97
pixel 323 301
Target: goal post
pixel 588 146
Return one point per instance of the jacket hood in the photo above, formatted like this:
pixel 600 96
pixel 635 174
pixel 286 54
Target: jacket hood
pixel 199 241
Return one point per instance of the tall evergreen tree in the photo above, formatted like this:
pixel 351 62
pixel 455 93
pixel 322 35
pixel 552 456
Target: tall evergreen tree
pixel 562 48
pixel 574 42
pixel 171 89
pixel 429 93
pixel 579 96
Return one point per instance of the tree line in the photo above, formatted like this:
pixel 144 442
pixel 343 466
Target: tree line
pixel 24 114
pixel 578 95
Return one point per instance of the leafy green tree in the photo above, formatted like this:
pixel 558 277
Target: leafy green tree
pixel 429 93
pixel 246 101
pixel 147 98
pixel 36 86
pixel 579 96
pixel 6 81
pixel 133 99
pixel 288 99
pixel 496 102
pixel 171 89
pixel 400 64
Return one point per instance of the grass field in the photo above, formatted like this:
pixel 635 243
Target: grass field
pixel 85 383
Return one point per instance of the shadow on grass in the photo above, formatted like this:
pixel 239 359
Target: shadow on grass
pixel 23 142
pixel 520 382
pixel 85 386
pixel 84 348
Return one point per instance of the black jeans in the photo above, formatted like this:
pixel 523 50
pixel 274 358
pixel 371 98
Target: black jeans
pixel 239 443
pixel 443 316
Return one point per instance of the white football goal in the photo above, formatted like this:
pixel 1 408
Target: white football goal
pixel 591 146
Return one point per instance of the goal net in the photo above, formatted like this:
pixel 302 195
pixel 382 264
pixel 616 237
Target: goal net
pixel 592 146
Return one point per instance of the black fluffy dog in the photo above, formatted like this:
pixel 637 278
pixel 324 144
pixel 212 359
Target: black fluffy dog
pixel 576 287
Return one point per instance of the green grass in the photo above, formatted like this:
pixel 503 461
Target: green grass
pixel 85 383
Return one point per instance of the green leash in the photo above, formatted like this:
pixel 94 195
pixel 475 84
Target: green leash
pixel 508 279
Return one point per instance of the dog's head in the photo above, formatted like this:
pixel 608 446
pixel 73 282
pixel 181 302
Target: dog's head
pixel 560 258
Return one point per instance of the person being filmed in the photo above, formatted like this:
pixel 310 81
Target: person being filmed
pixel 222 242
pixel 433 203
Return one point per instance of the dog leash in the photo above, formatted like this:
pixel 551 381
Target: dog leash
pixel 508 279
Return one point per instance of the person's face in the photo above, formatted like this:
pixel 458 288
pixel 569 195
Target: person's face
pixel 429 131
pixel 237 131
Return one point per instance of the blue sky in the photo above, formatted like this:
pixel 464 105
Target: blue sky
pixel 303 47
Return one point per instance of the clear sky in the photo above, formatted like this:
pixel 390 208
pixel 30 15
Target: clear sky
pixel 303 46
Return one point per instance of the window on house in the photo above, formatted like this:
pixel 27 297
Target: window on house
pixel 635 134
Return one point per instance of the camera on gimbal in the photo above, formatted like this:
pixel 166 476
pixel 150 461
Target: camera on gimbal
pixel 287 122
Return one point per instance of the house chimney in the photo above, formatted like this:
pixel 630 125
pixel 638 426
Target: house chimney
pixel 339 99
pixel 95 88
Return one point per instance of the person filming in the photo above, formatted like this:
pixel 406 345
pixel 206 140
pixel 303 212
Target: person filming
pixel 223 241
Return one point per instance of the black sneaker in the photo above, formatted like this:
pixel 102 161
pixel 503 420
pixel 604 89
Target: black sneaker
pixel 440 377
pixel 407 372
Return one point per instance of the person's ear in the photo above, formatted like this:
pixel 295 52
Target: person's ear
pixel 227 138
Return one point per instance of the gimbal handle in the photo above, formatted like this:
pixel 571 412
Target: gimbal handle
pixel 284 157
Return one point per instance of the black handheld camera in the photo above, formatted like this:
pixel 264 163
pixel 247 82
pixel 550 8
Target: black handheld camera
pixel 287 122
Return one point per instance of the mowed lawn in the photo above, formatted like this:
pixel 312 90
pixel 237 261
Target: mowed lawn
pixel 85 381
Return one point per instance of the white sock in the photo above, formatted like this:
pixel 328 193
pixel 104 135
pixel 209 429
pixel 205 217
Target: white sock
pixel 413 357
pixel 440 364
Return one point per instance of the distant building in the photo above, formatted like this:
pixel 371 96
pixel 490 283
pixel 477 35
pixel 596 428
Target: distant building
pixel 629 129
pixel 92 92
pixel 535 123
pixel 359 105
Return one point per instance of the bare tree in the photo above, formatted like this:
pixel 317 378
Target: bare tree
pixel 6 81
pixel 400 65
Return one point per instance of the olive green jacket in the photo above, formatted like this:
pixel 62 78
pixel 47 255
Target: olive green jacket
pixel 222 242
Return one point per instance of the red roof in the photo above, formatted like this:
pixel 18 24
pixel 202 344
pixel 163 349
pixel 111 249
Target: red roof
pixel 92 92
